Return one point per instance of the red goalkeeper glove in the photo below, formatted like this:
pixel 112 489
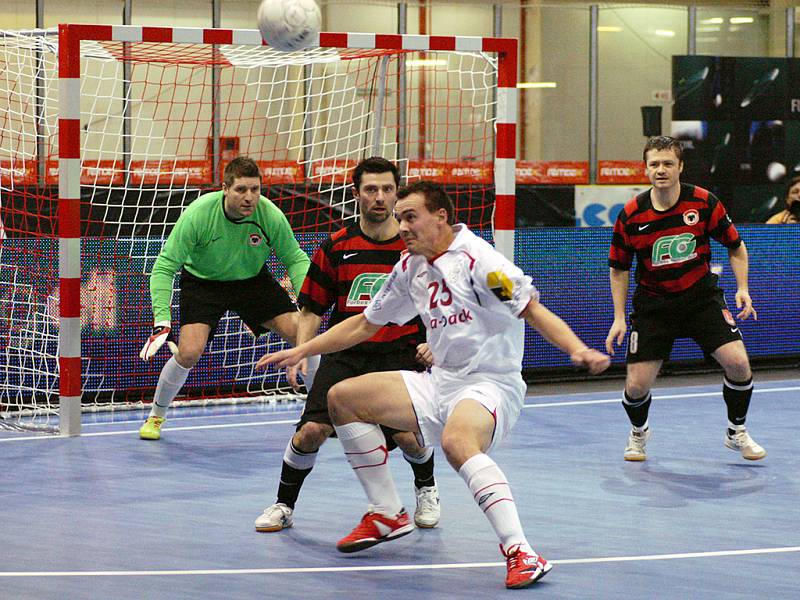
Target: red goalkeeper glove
pixel 162 332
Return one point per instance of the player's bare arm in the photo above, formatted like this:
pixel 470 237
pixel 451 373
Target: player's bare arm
pixel 559 334
pixel 619 293
pixel 739 265
pixel 344 335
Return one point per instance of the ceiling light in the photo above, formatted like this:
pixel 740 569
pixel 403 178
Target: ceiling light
pixel 537 84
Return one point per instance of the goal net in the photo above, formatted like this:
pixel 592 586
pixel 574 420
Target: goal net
pixel 108 133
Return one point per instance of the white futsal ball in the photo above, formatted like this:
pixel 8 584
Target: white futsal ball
pixel 289 25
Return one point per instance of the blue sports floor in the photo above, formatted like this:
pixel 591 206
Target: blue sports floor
pixel 107 516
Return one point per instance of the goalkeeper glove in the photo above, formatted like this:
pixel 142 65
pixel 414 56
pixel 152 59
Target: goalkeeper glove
pixel 162 332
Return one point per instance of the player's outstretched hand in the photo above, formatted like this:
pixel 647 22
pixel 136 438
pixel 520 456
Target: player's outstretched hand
pixel 616 334
pixel 744 302
pixel 595 361
pixel 424 355
pixel 292 372
pixel 285 358
pixel 162 332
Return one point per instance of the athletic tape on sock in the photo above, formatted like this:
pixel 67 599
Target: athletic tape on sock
pixel 299 460
pixel 420 460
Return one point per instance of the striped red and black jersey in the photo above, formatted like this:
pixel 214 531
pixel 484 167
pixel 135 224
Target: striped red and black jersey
pixel 346 271
pixel 672 247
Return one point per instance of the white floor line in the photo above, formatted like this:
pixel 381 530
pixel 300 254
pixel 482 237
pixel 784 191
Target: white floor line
pixel 292 421
pixel 656 396
pixel 173 419
pixel 132 431
pixel 570 561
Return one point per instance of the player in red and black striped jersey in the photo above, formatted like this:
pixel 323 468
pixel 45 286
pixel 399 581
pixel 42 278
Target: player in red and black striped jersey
pixel 346 271
pixel 668 230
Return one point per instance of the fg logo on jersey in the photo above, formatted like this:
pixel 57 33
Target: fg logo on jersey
pixel 365 287
pixel 500 285
pixel 673 249
pixel 255 239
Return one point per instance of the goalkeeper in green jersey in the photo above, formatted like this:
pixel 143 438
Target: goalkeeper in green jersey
pixel 220 244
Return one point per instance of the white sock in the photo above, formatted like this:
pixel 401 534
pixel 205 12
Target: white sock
pixel 736 428
pixel 299 460
pixel 312 364
pixel 170 382
pixel 420 460
pixel 365 448
pixel 491 491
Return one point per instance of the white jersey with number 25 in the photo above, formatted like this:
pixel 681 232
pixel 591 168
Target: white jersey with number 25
pixel 470 298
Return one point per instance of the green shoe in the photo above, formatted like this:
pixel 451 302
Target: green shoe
pixel 151 430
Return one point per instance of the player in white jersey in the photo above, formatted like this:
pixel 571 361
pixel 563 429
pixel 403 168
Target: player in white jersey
pixel 472 301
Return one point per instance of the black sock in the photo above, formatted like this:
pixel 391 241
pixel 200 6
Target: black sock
pixel 637 408
pixel 423 472
pixel 291 482
pixel 292 478
pixel 737 396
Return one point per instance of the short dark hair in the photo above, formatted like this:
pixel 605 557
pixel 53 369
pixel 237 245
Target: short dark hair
pixel 375 164
pixel 241 166
pixel 435 197
pixel 792 182
pixel 663 142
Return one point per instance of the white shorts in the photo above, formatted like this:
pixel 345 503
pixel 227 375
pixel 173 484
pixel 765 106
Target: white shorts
pixel 435 395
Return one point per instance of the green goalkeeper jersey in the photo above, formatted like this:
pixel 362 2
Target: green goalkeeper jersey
pixel 212 246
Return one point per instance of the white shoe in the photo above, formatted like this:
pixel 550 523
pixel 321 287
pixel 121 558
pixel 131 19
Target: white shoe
pixel 636 442
pixel 275 518
pixel 742 442
pixel 428 511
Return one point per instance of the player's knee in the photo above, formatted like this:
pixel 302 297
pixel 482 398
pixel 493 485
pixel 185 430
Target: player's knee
pixel 311 436
pixel 187 358
pixel 636 389
pixel 457 449
pixel 408 443
pixel 738 369
pixel 337 402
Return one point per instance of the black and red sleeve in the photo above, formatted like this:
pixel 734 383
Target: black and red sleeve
pixel 720 226
pixel 620 255
pixel 318 293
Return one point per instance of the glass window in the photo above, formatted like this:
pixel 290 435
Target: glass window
pixel 18 14
pixel 740 32
pixel 361 17
pixel 554 120
pixel 797 32
pixel 187 13
pixel 88 11
pixel 636 46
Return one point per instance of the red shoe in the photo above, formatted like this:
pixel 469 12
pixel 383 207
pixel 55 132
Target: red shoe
pixel 374 529
pixel 523 568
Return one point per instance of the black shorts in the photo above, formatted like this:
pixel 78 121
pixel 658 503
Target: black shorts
pixel 339 366
pixel 256 300
pixel 657 322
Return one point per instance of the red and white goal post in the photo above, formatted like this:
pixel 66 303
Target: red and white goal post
pixel 108 132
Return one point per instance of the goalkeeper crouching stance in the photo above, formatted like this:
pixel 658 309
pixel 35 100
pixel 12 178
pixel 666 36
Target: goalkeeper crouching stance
pixel 220 244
